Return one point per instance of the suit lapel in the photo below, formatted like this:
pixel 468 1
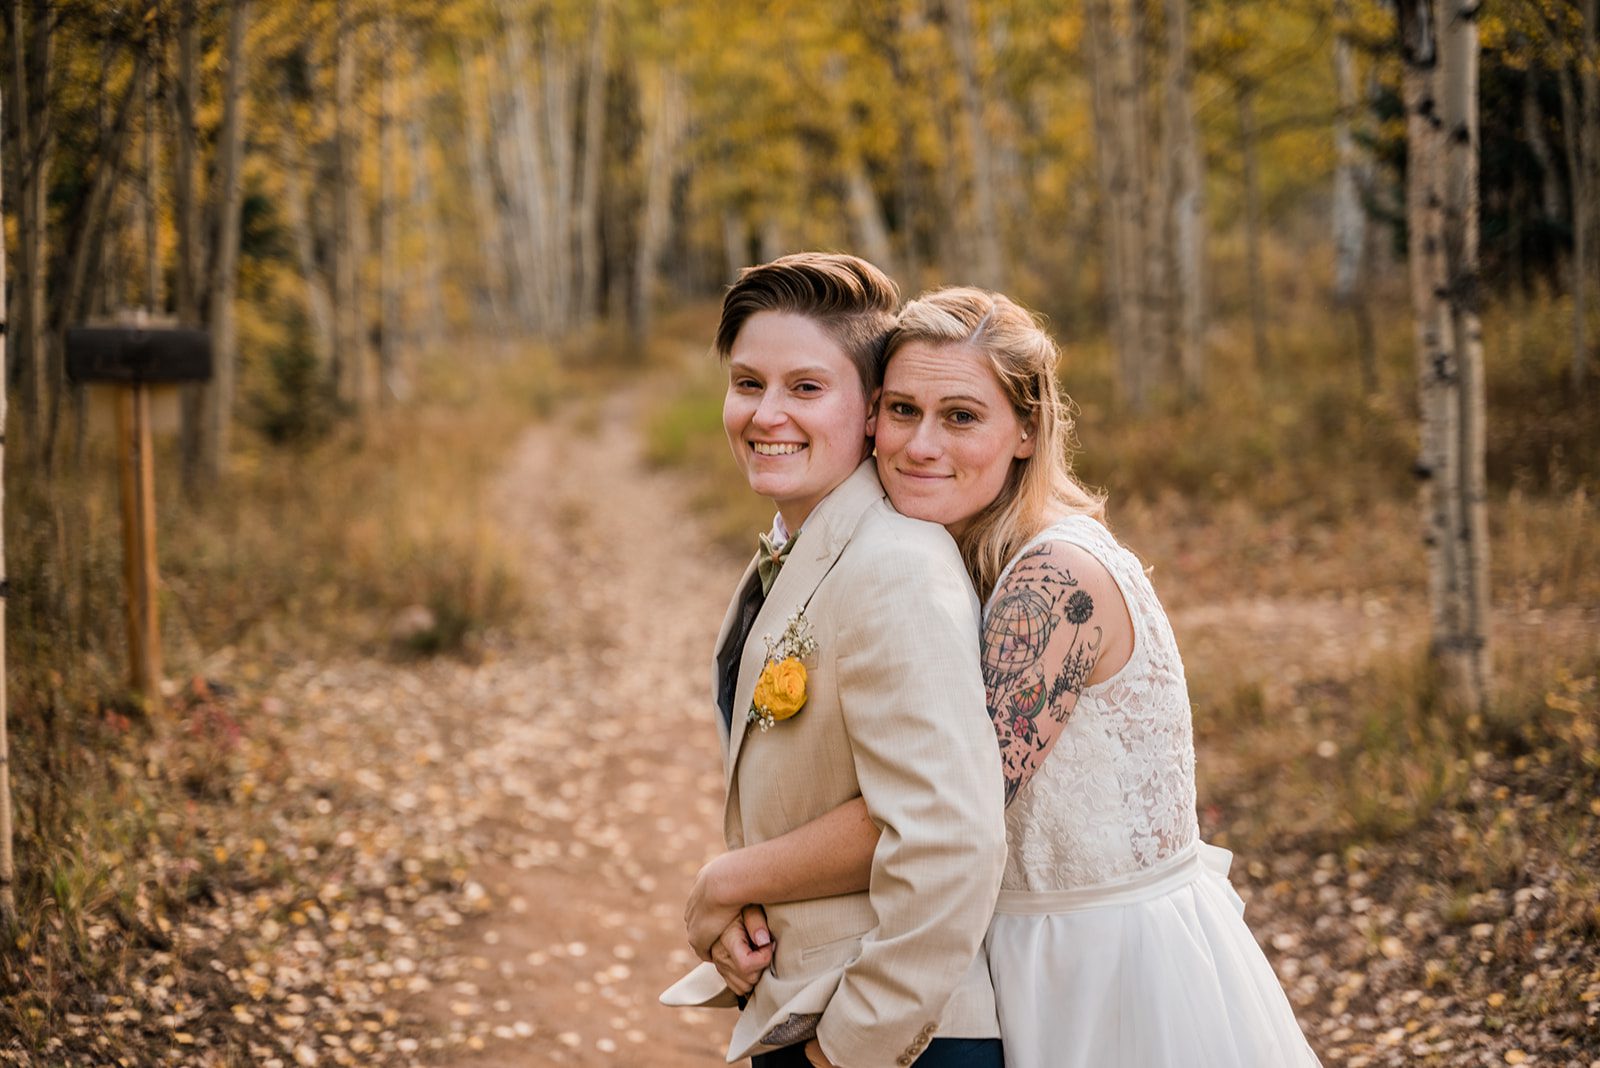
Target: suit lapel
pixel 730 627
pixel 827 531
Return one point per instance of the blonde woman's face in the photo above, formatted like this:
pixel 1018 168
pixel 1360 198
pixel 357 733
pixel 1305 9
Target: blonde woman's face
pixel 947 434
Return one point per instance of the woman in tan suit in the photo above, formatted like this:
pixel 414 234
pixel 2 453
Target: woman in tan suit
pixel 1117 941
pixel 845 670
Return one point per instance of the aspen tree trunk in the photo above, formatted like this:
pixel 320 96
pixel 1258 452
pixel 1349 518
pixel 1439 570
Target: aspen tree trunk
pixel 350 347
pixel 492 226
pixel 186 208
pixel 319 305
pixel 388 212
pixel 8 899
pixel 32 49
pixel 1115 40
pixel 1349 216
pixel 662 118
pixel 424 212
pixel 1533 130
pixel 1248 140
pixel 870 230
pixel 528 178
pixel 224 285
pixel 154 301
pixel 594 132
pixel 1447 494
pixel 1589 82
pixel 1464 650
pixel 558 130
pixel 1158 346
pixel 1187 191
pixel 985 241
pixel 735 243
pixel 1582 212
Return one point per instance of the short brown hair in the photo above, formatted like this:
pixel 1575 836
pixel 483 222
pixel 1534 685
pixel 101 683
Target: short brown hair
pixel 845 295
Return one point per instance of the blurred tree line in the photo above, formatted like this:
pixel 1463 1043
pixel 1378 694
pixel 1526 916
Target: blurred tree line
pixel 350 183
pixel 336 188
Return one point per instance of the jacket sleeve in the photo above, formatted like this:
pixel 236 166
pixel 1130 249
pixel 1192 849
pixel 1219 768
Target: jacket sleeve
pixel 925 755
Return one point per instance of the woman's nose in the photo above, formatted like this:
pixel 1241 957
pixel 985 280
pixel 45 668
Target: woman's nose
pixel 924 443
pixel 769 410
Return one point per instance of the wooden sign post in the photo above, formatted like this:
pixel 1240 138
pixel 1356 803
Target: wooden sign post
pixel 135 359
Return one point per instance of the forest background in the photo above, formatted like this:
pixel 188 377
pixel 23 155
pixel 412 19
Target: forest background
pixel 411 230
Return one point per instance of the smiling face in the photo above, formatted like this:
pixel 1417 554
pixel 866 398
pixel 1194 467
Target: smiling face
pixel 947 434
pixel 796 414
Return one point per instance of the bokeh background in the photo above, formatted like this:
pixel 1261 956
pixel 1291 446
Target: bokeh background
pixel 444 543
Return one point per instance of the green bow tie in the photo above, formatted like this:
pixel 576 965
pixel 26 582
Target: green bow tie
pixel 770 561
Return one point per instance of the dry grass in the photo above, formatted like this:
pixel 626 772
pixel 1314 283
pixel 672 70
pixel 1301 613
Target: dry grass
pixel 308 550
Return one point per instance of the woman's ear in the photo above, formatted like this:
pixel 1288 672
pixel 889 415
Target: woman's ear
pixel 872 411
pixel 1025 446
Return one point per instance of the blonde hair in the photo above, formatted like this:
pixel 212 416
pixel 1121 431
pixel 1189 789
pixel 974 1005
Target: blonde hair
pixel 1024 358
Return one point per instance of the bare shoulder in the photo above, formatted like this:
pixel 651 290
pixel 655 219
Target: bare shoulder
pixel 1070 577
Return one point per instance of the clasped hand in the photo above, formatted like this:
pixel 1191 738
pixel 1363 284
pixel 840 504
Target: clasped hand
pixel 734 937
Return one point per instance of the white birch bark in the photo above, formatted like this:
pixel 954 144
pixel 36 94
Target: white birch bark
pixel 866 217
pixel 662 116
pixel 555 78
pixel 528 176
pixel 224 284
pixel 594 132
pixel 350 348
pixel 390 318
pixel 1442 465
pixel 985 239
pixel 1248 142
pixel 319 304
pixel 1115 42
pixel 1350 223
pixel 491 224
pixel 424 212
pixel 1187 192
pixel 1464 650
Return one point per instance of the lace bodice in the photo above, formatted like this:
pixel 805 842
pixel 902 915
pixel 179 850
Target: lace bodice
pixel 1116 794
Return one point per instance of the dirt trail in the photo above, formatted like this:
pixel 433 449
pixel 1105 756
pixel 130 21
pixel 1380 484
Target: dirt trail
pixel 588 782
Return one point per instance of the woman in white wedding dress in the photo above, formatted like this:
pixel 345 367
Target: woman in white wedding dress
pixel 1117 941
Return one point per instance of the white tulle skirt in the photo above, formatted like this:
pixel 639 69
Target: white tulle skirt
pixel 1156 971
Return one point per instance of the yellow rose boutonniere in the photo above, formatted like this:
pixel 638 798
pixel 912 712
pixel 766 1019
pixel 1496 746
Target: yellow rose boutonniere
pixel 781 689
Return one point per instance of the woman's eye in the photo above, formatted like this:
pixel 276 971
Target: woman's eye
pixel 902 409
pixel 961 418
pixel 807 387
pixel 746 383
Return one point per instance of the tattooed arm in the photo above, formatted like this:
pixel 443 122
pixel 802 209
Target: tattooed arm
pixel 1058 623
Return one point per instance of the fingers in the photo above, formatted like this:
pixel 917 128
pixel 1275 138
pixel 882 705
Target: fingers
pixel 755 925
pixel 738 961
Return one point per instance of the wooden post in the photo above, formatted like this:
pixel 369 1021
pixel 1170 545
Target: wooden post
pixel 134 356
pixel 137 476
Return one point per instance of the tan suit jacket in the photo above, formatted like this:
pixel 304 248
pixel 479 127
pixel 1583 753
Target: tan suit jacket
pixel 895 713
